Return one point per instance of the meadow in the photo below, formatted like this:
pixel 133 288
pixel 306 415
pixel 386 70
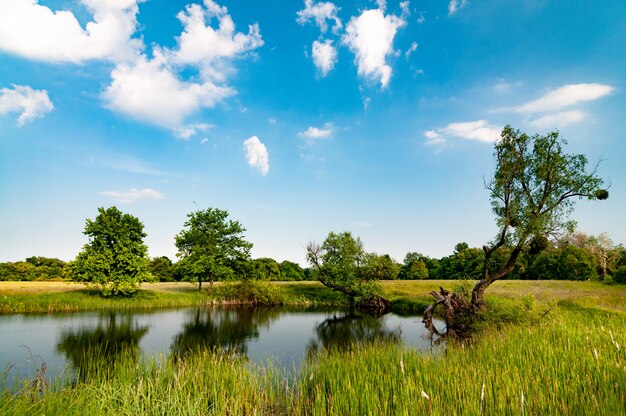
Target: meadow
pixel 550 347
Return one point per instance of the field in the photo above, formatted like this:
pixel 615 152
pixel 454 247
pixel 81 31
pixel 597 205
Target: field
pixel 552 347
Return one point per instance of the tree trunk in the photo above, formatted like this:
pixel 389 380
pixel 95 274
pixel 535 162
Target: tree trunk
pixel 199 284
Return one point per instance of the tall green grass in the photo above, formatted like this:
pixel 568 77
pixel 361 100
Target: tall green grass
pixel 571 362
pixel 83 300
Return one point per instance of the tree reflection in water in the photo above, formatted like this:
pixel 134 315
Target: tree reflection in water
pixel 94 351
pixel 222 329
pixel 344 330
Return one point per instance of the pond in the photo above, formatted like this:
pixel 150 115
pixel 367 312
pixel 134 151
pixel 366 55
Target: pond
pixel 64 342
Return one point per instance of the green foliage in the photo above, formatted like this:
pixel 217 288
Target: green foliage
pixel 264 268
pixel 211 247
pixel 34 268
pixel 620 275
pixel 413 269
pixel 250 292
pixel 161 268
pixel 290 271
pixel 341 264
pixel 381 267
pixel 114 261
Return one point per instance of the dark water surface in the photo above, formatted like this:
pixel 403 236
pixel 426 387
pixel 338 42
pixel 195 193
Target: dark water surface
pixel 64 342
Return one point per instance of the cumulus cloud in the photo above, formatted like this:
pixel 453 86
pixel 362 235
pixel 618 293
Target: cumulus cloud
pixel 22 99
pixel 324 56
pixel 150 91
pixel 455 5
pixel 133 195
pixel 370 37
pixel 320 12
pixel 256 155
pixel 556 120
pixel 479 130
pixel 314 133
pixel 565 96
pixel 36 32
pixel 212 49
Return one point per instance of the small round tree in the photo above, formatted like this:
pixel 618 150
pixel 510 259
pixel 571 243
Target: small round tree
pixel 533 191
pixel 115 259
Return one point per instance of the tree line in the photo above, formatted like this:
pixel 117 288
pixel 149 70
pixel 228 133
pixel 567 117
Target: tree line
pixel 577 256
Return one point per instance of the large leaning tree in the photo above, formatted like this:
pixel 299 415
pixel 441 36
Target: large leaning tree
pixel 211 247
pixel 115 260
pixel 533 191
pixel 340 263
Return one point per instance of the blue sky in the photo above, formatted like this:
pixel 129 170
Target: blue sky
pixel 298 117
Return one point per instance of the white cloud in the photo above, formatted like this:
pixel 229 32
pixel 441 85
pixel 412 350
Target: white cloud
pixel 22 99
pixel 404 6
pixel 433 138
pixel 315 133
pixel 324 56
pixel 503 87
pixel 133 195
pixel 370 37
pixel 256 155
pixel 189 130
pixel 36 32
pixel 150 91
pixel 565 96
pixel 421 19
pixel 204 141
pixel 320 12
pixel 382 4
pixel 561 119
pixel 478 130
pixel 456 5
pixel 212 49
pixel 411 49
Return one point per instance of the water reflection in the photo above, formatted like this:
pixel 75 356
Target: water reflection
pixel 342 331
pixel 226 329
pixel 95 350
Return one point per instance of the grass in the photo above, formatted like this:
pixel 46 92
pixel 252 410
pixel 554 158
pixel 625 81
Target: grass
pixel 407 297
pixel 47 297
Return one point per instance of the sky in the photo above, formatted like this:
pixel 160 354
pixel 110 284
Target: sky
pixel 297 117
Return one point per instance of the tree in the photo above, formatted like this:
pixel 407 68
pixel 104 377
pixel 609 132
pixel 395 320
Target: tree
pixel 340 264
pixel 381 267
pixel 115 258
pixel 265 268
pixel 162 269
pixel 291 271
pixel 533 191
pixel 211 247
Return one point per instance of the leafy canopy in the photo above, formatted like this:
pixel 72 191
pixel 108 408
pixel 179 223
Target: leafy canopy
pixel 211 247
pixel 115 259
pixel 341 264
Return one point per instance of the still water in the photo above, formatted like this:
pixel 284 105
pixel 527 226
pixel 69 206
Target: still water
pixel 62 342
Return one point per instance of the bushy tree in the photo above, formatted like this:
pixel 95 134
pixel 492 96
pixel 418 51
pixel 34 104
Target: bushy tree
pixel 161 268
pixel 265 268
pixel 291 271
pixel 340 264
pixel 115 259
pixel 381 267
pixel 532 191
pixel 414 267
pixel 212 247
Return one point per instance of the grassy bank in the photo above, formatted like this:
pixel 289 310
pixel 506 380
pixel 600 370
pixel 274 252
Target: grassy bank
pixel 409 297
pixel 570 361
